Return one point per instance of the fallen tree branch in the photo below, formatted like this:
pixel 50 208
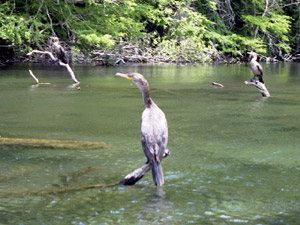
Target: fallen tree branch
pixel 59 62
pixel 217 84
pixel 35 78
pixel 260 86
pixel 136 175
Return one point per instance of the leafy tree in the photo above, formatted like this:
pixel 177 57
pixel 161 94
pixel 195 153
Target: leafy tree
pixel 187 30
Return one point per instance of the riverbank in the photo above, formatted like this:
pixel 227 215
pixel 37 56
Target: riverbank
pixel 130 54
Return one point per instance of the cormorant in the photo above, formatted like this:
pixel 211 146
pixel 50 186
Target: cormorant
pixel 256 67
pixel 58 50
pixel 153 129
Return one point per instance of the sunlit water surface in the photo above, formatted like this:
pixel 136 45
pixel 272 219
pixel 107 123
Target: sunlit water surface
pixel 235 156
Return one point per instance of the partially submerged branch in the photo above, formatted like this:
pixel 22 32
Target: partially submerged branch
pixel 260 86
pixel 59 62
pixel 136 175
pixel 217 84
pixel 35 78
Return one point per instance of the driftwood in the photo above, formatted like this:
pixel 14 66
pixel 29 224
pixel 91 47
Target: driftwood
pixel 260 86
pixel 217 84
pixel 44 143
pixel 138 174
pixel 59 62
pixel 35 78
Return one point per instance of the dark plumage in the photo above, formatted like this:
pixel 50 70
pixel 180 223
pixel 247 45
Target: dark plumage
pixel 256 67
pixel 58 50
pixel 153 130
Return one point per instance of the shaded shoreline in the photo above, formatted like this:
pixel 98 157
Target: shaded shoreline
pixel 132 55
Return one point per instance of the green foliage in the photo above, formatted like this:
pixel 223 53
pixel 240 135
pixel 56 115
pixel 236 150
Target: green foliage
pixel 20 30
pixel 190 29
pixel 93 39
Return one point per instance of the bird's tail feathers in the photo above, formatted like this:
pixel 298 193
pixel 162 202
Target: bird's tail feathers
pixel 157 173
pixel 261 80
pixel 64 60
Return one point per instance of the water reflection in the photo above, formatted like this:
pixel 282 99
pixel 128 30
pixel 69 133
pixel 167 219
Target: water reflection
pixel 259 103
pixel 34 86
pixel 72 86
pixel 156 208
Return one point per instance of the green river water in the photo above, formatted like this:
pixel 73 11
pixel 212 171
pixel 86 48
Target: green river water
pixel 235 156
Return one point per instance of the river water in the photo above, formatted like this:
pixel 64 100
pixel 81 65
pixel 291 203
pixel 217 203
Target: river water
pixel 235 156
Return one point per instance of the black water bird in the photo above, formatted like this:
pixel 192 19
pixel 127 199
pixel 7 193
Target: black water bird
pixel 256 67
pixel 58 50
pixel 153 129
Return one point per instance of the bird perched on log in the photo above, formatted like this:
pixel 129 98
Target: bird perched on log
pixel 256 67
pixel 58 50
pixel 153 129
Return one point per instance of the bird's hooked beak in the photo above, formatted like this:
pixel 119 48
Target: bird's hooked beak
pixel 250 53
pixel 124 76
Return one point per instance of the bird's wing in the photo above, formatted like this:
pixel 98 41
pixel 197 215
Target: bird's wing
pixel 259 68
pixel 62 51
pixel 148 146
pixel 154 146
pixel 154 135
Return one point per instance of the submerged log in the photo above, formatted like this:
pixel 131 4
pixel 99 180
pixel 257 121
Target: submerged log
pixel 70 71
pixel 4 194
pixel 44 143
pixel 66 180
pixel 129 179
pixel 260 86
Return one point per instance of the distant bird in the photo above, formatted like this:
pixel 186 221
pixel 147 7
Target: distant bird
pixel 58 50
pixel 256 67
pixel 153 129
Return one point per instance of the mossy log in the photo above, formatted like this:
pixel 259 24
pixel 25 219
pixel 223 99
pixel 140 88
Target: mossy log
pixel 44 143
pixel 260 86
pixel 4 194
pixel 129 179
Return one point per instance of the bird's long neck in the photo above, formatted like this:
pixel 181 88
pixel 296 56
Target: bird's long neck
pixel 146 96
pixel 254 58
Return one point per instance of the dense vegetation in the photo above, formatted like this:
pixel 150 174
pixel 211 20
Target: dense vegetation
pixel 187 30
